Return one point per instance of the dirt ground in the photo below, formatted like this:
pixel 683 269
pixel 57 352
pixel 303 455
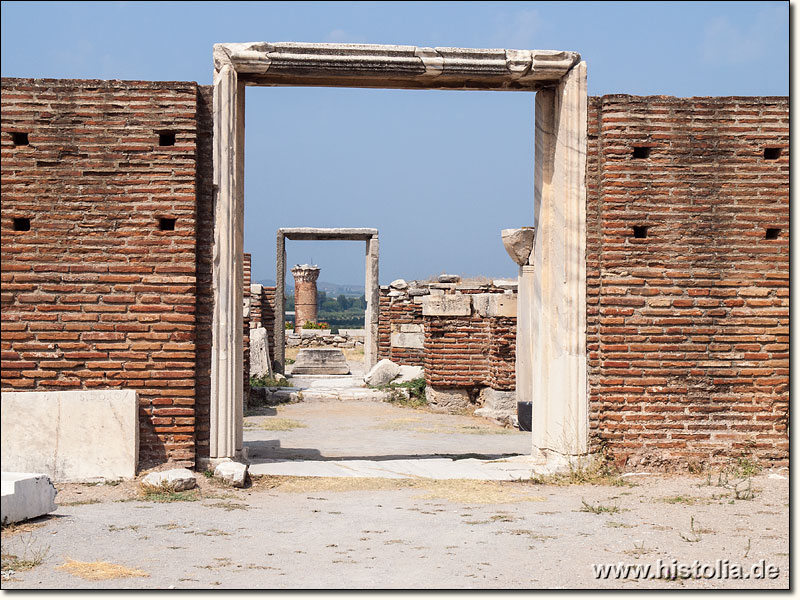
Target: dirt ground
pixel 285 532
pixel 322 533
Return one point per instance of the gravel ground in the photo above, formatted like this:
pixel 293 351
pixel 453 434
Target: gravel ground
pixel 374 431
pixel 317 533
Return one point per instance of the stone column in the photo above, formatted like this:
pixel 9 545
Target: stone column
pixel 558 291
pixel 305 294
pixel 227 361
pixel 373 296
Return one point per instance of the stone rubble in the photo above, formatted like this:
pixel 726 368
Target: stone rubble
pixel 176 480
pixel 382 373
pixel 233 472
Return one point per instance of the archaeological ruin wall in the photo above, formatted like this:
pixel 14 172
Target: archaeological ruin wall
pixel 107 234
pixel 462 333
pixel 688 278
pixel 99 247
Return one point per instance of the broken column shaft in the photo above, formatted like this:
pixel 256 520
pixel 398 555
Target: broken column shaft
pixel 305 294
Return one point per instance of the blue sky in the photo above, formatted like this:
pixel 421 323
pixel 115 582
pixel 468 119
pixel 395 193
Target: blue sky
pixel 439 173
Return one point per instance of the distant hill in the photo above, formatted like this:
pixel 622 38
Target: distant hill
pixel 332 289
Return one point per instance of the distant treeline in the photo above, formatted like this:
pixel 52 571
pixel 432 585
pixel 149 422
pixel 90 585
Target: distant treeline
pixel 341 312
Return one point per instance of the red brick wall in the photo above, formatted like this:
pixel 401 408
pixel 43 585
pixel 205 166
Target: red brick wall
pixel 391 316
pixel 456 351
pixel 688 334
pixel 267 306
pixel 459 352
pixel 95 294
pixel 502 354
pixel 246 262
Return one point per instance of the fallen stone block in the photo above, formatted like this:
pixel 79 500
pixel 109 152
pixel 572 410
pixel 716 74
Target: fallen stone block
pixel 382 373
pixel 452 400
pixel 176 480
pixel 26 496
pixel 82 435
pixel 448 278
pixel 399 284
pixel 498 405
pixel 233 472
pixel 259 353
pixel 409 373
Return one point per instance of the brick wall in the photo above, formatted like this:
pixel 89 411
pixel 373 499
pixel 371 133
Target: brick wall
pixel 393 314
pixel 262 310
pixel 459 352
pixel 688 334
pixel 247 299
pixel 687 256
pixel 98 285
pixel 456 350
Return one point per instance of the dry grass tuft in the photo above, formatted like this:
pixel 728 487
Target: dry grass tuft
pixel 468 491
pixel 420 426
pixel 453 490
pixel 273 424
pixel 99 570
pixel 12 529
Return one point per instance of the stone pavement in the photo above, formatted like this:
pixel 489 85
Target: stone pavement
pixel 343 429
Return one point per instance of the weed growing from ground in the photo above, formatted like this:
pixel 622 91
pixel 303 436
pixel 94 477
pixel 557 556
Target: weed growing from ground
pixel 598 508
pixel 693 536
pixel 32 555
pixel 737 478
pixel 164 493
pixel 410 394
pixel 267 381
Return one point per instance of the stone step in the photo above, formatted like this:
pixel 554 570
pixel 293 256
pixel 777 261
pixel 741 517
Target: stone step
pixel 506 469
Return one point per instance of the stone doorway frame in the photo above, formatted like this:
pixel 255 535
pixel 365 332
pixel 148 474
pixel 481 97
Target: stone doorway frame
pixel 551 319
pixel 372 288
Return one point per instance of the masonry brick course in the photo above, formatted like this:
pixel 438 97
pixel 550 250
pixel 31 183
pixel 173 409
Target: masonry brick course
pixel 96 294
pixel 391 316
pixel 688 327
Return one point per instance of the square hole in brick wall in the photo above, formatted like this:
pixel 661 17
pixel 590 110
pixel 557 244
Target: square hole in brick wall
pixel 640 231
pixel 772 233
pixel 19 138
pixel 772 153
pixel 166 138
pixel 22 224
pixel 641 151
pixel 166 224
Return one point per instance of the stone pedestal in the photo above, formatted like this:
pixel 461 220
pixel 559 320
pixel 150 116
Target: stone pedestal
pixel 320 361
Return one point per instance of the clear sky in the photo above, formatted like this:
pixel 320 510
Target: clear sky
pixel 439 173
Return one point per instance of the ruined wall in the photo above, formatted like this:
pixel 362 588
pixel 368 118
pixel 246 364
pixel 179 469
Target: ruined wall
pixel 396 313
pixel 246 320
pixel 466 351
pixel 107 231
pixel 203 261
pixel 99 236
pixel 688 267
